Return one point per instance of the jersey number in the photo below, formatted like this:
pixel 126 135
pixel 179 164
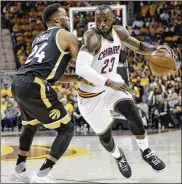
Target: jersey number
pixel 37 53
pixel 106 63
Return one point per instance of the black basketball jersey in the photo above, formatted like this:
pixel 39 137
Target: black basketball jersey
pixel 46 61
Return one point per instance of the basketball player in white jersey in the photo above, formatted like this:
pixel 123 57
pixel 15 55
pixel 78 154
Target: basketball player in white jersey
pixel 97 62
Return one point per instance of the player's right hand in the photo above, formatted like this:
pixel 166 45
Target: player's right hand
pixel 119 86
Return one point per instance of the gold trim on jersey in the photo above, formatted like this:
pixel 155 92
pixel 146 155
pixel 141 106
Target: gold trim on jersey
pixel 57 124
pixel 33 122
pixel 57 41
pixel 43 91
pixel 51 75
pixel 84 94
pixel 110 124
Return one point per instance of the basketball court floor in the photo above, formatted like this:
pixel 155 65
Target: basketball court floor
pixel 86 161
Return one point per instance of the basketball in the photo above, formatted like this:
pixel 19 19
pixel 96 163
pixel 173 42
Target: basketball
pixel 162 61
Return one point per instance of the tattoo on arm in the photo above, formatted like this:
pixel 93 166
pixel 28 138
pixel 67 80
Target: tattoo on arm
pixel 91 42
pixel 132 43
pixel 139 47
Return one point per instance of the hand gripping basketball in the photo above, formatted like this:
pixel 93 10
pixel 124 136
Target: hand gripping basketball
pixel 162 60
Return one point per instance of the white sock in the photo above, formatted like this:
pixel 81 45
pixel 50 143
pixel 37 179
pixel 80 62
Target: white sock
pixel 116 152
pixel 142 143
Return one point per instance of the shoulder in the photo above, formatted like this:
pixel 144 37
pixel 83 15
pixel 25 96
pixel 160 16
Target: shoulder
pixel 64 34
pixel 92 35
pixel 91 41
pixel 121 32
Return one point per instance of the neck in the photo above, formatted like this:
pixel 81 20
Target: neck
pixel 108 36
pixel 53 25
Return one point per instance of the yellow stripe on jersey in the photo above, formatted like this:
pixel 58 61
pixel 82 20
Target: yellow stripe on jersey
pixel 57 124
pixel 57 41
pixel 33 122
pixel 43 91
pixel 51 75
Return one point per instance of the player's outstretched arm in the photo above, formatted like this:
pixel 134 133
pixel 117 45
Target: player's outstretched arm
pixel 137 46
pixel 132 43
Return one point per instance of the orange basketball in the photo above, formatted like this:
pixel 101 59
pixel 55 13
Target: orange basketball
pixel 162 61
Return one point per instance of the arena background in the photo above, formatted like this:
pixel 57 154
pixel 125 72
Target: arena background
pixel 155 22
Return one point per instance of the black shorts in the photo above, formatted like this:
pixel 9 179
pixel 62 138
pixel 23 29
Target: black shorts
pixel 38 102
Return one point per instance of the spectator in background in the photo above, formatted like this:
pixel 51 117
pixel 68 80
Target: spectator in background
pixel 176 110
pixel 3 107
pixel 68 106
pixel 143 110
pixel 77 118
pixel 164 112
pixel 10 115
pixel 6 90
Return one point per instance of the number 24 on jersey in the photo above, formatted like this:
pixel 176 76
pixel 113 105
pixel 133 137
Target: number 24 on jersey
pixel 37 53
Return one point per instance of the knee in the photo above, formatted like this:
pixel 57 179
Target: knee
pixel 27 136
pixel 107 141
pixel 131 113
pixel 30 129
pixel 106 137
pixel 66 128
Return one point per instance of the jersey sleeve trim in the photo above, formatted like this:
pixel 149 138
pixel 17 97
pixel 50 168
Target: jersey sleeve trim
pixel 57 43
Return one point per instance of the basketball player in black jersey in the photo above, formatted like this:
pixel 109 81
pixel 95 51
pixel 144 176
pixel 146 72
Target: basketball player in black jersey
pixel 38 102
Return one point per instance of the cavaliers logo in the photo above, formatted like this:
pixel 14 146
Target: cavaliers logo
pixel 54 114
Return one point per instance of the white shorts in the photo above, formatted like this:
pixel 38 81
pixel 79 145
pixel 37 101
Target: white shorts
pixel 96 110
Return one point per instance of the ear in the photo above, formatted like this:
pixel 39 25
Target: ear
pixel 56 20
pixel 114 19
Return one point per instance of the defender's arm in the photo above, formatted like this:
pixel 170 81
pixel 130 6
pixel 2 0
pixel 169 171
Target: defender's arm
pixel 68 43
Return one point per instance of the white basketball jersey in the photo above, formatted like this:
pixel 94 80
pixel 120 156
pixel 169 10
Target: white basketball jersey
pixel 105 62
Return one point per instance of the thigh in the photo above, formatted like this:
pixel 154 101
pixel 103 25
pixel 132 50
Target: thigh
pixel 112 97
pixel 27 118
pixel 41 102
pixel 99 118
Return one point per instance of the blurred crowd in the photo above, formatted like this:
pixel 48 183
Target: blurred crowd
pixel 158 98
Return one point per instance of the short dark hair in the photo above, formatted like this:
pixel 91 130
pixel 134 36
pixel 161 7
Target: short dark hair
pixel 49 11
pixel 103 7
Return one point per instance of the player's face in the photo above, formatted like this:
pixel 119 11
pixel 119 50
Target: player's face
pixel 104 20
pixel 63 19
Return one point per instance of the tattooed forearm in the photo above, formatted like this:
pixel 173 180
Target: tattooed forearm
pixel 139 47
pixel 146 47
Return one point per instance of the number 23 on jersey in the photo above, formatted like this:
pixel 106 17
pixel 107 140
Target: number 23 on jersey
pixel 108 65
